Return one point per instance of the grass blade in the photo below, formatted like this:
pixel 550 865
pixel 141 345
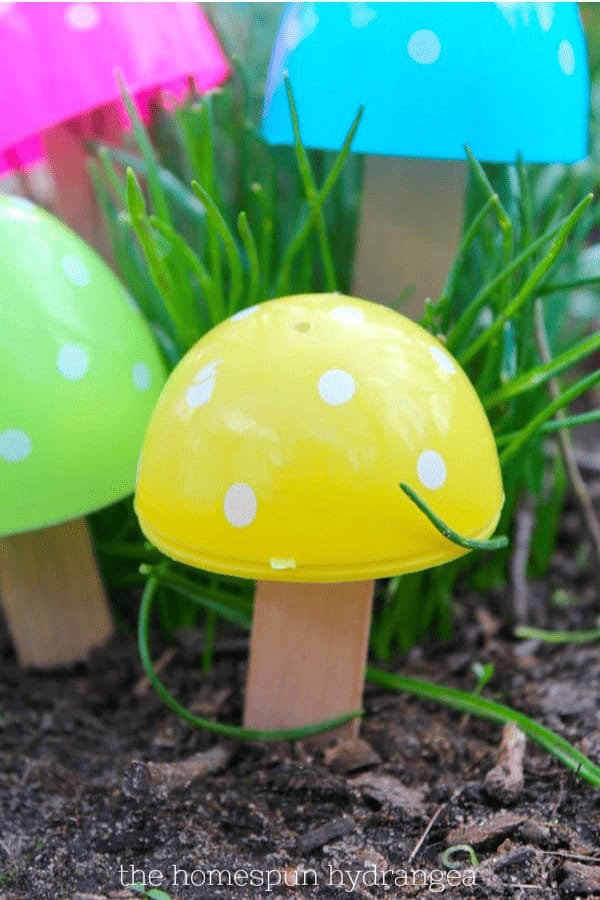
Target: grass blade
pixel 157 195
pixel 530 284
pixel 538 376
pixel 312 194
pixel 252 256
pixel 532 428
pixel 556 425
pixel 231 250
pixel 231 731
pixel 467 543
pixel 558 637
pixel 496 712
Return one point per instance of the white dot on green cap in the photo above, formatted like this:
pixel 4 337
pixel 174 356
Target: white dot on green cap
pixel 75 270
pixel 141 376
pixel 72 361
pixel 15 445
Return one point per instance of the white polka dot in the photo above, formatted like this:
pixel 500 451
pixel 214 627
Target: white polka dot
pixel 204 383
pixel 82 16
pixel 443 360
pixel 431 469
pixel 199 394
pixel 75 270
pixel 15 445
pixel 424 47
pixel 361 15
pixel 566 57
pixel 72 361
pixel 244 313
pixel 349 315
pixel 336 387
pixel 545 14
pixel 208 371
pixel 141 376
pixel 240 505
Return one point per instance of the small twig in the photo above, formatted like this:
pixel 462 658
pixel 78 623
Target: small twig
pixel 525 522
pixel 161 779
pixel 505 780
pixel 431 823
pixel 564 854
pixel 578 485
pixel 143 685
pixel 588 461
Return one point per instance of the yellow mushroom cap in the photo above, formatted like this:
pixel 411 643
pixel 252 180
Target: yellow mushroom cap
pixel 278 444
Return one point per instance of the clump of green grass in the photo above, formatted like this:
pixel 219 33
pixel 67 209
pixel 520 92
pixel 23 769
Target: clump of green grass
pixel 259 222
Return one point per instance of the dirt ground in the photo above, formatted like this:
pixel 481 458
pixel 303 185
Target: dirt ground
pixel 82 800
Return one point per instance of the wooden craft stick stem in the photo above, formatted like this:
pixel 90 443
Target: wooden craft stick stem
pixel 410 228
pixel 307 654
pixel 53 599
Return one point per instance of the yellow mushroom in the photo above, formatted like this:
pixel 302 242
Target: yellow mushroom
pixel 276 451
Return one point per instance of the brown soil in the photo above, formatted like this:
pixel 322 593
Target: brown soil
pixel 73 808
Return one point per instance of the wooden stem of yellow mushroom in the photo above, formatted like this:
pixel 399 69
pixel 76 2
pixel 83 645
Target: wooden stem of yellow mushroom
pixel 52 596
pixel 308 653
pixel 409 230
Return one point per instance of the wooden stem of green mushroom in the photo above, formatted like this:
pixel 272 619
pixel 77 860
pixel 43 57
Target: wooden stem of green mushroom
pixel 308 654
pixel 52 596
pixel 409 230
pixel 74 197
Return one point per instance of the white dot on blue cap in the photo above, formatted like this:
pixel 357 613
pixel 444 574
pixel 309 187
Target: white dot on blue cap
pixel 566 57
pixel 424 47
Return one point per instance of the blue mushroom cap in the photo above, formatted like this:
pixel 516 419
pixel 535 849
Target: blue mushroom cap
pixel 504 78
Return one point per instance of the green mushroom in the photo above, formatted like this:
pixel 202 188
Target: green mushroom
pixel 79 376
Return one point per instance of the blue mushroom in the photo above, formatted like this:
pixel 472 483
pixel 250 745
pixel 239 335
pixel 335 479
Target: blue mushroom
pixel 507 79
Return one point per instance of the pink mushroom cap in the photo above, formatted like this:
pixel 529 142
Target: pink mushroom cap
pixel 58 64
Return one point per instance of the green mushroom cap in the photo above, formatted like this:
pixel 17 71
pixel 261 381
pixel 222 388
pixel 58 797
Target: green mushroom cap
pixel 79 374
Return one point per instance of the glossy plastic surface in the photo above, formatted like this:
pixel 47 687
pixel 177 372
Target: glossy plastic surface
pixel 505 78
pixel 278 444
pixel 79 374
pixel 58 63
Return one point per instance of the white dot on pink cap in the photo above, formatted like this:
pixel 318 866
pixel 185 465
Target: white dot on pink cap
pixel 82 16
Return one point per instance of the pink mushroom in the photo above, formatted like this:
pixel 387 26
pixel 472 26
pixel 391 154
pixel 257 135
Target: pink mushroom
pixel 58 86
